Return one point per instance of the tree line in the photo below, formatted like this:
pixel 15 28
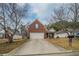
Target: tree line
pixel 65 17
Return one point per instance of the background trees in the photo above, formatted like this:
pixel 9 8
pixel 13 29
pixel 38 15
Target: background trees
pixel 74 11
pixel 66 17
pixel 11 17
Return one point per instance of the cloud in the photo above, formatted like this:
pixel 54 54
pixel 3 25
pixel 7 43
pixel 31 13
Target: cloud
pixel 39 9
pixel 42 11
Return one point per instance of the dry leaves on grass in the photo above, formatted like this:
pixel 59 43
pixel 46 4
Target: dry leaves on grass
pixel 63 42
pixel 7 47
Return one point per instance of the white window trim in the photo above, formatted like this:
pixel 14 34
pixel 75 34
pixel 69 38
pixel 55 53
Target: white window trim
pixel 36 26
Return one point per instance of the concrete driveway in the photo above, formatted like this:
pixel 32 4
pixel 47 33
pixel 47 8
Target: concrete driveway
pixel 38 46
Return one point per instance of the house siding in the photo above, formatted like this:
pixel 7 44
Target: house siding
pixel 60 35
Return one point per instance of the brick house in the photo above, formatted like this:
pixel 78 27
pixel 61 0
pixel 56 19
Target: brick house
pixel 36 30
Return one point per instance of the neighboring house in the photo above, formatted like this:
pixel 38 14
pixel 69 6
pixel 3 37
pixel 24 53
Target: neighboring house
pixel 50 33
pixel 36 30
pixel 76 32
pixel 61 34
pixel 2 32
pixel 17 35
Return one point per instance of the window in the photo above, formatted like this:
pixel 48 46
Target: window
pixel 36 26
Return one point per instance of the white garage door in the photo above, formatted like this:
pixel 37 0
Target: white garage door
pixel 36 35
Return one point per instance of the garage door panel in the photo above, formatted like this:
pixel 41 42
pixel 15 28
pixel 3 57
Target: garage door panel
pixel 36 35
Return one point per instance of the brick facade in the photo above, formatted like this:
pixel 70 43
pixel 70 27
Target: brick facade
pixel 33 29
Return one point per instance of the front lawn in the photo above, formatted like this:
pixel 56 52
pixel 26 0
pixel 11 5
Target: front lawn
pixel 7 47
pixel 63 42
pixel 3 40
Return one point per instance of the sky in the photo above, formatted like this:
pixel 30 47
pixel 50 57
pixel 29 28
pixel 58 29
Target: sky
pixel 40 11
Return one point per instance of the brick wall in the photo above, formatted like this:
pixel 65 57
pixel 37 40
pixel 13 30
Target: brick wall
pixel 33 29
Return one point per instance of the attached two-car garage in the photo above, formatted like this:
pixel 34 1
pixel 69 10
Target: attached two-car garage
pixel 37 35
pixel 36 30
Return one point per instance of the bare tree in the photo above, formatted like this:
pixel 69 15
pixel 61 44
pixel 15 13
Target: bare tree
pixel 3 17
pixel 59 14
pixel 74 11
pixel 11 16
pixel 16 14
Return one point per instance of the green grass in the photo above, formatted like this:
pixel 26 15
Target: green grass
pixel 7 47
pixel 63 42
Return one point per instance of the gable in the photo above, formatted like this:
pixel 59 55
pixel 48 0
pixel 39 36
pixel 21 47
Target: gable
pixel 36 26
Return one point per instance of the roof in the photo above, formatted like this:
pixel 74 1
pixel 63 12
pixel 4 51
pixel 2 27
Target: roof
pixel 51 30
pixel 60 32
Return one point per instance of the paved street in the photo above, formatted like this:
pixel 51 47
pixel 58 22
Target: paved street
pixel 57 54
pixel 40 46
pixel 66 54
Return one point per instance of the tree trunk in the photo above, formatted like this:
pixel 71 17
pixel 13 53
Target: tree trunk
pixel 10 38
